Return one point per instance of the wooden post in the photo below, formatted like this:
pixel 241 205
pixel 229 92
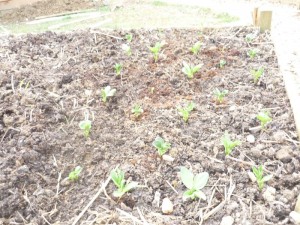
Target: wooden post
pixel 254 16
pixel 264 19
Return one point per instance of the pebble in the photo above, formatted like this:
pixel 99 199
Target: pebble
pixel 167 206
pixel 289 195
pixel 269 194
pixel 168 158
pixel 252 176
pixel 295 217
pixel 279 136
pixel 232 108
pixel 284 155
pixel 250 138
pixel 227 220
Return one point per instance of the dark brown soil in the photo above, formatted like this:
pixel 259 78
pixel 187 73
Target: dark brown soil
pixel 44 8
pixel 41 141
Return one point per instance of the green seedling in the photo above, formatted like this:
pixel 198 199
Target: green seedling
pixel 252 53
pixel 222 63
pixel 117 176
pixel 250 37
pixel 118 68
pixel 258 172
pixel 196 47
pixel 126 48
pixel 161 145
pixel 155 50
pixel 74 175
pixel 264 118
pixel 194 183
pixel 190 70
pixel 228 144
pixel 256 74
pixel 107 92
pixel 185 112
pixel 86 125
pixel 128 37
pixel 220 95
pixel 137 110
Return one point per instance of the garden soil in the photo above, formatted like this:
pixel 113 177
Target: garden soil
pixel 49 82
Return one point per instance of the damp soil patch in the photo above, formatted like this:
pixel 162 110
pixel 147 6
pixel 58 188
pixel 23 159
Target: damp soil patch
pixel 50 81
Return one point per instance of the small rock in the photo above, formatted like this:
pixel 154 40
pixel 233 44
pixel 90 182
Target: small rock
pixel 227 220
pixel 295 217
pixel 65 182
pixel 279 136
pixel 168 158
pixel 232 108
pixel 252 176
pixel 269 194
pixel 288 194
pixel 297 206
pixel 250 138
pixel 167 206
pixel 284 155
pixel 155 202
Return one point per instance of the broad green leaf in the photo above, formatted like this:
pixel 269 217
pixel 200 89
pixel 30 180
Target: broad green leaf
pixel 200 180
pixel 85 124
pixel 188 194
pixel 187 177
pixel 118 193
pixel 130 186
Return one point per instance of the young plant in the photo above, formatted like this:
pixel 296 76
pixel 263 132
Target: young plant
pixel 264 118
pixel 74 175
pixel 86 125
pixel 196 47
pixel 117 176
pixel 258 172
pixel 137 110
pixel 220 95
pixel 194 183
pixel 161 145
pixel 107 92
pixel 128 37
pixel 222 63
pixel 228 144
pixel 250 37
pixel 252 53
pixel 118 68
pixel 155 50
pixel 190 70
pixel 256 74
pixel 185 112
pixel 126 48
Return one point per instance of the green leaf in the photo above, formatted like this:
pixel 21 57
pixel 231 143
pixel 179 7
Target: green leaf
pixel 267 178
pixel 187 177
pixel 118 193
pixel 117 176
pixel 85 124
pixel 190 106
pixel 188 194
pixel 130 186
pixel 199 194
pixel 200 180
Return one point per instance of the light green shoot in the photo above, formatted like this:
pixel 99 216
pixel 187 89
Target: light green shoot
pixel 107 92
pixel 118 68
pixel 23 83
pixel 118 177
pixel 185 112
pixel 250 37
pixel 137 110
pixel 264 118
pixel 256 74
pixel 194 183
pixel 222 63
pixel 74 175
pixel 190 70
pixel 128 37
pixel 161 145
pixel 228 144
pixel 86 125
pixel 252 53
pixel 126 48
pixel 155 50
pixel 196 47
pixel 258 172
pixel 220 95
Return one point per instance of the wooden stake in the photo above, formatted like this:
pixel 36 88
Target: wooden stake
pixel 254 16
pixel 264 20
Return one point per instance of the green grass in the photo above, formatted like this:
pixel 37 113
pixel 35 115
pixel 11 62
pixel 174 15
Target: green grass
pixel 156 14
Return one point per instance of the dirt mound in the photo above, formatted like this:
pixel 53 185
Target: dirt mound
pixel 49 81
pixel 43 8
